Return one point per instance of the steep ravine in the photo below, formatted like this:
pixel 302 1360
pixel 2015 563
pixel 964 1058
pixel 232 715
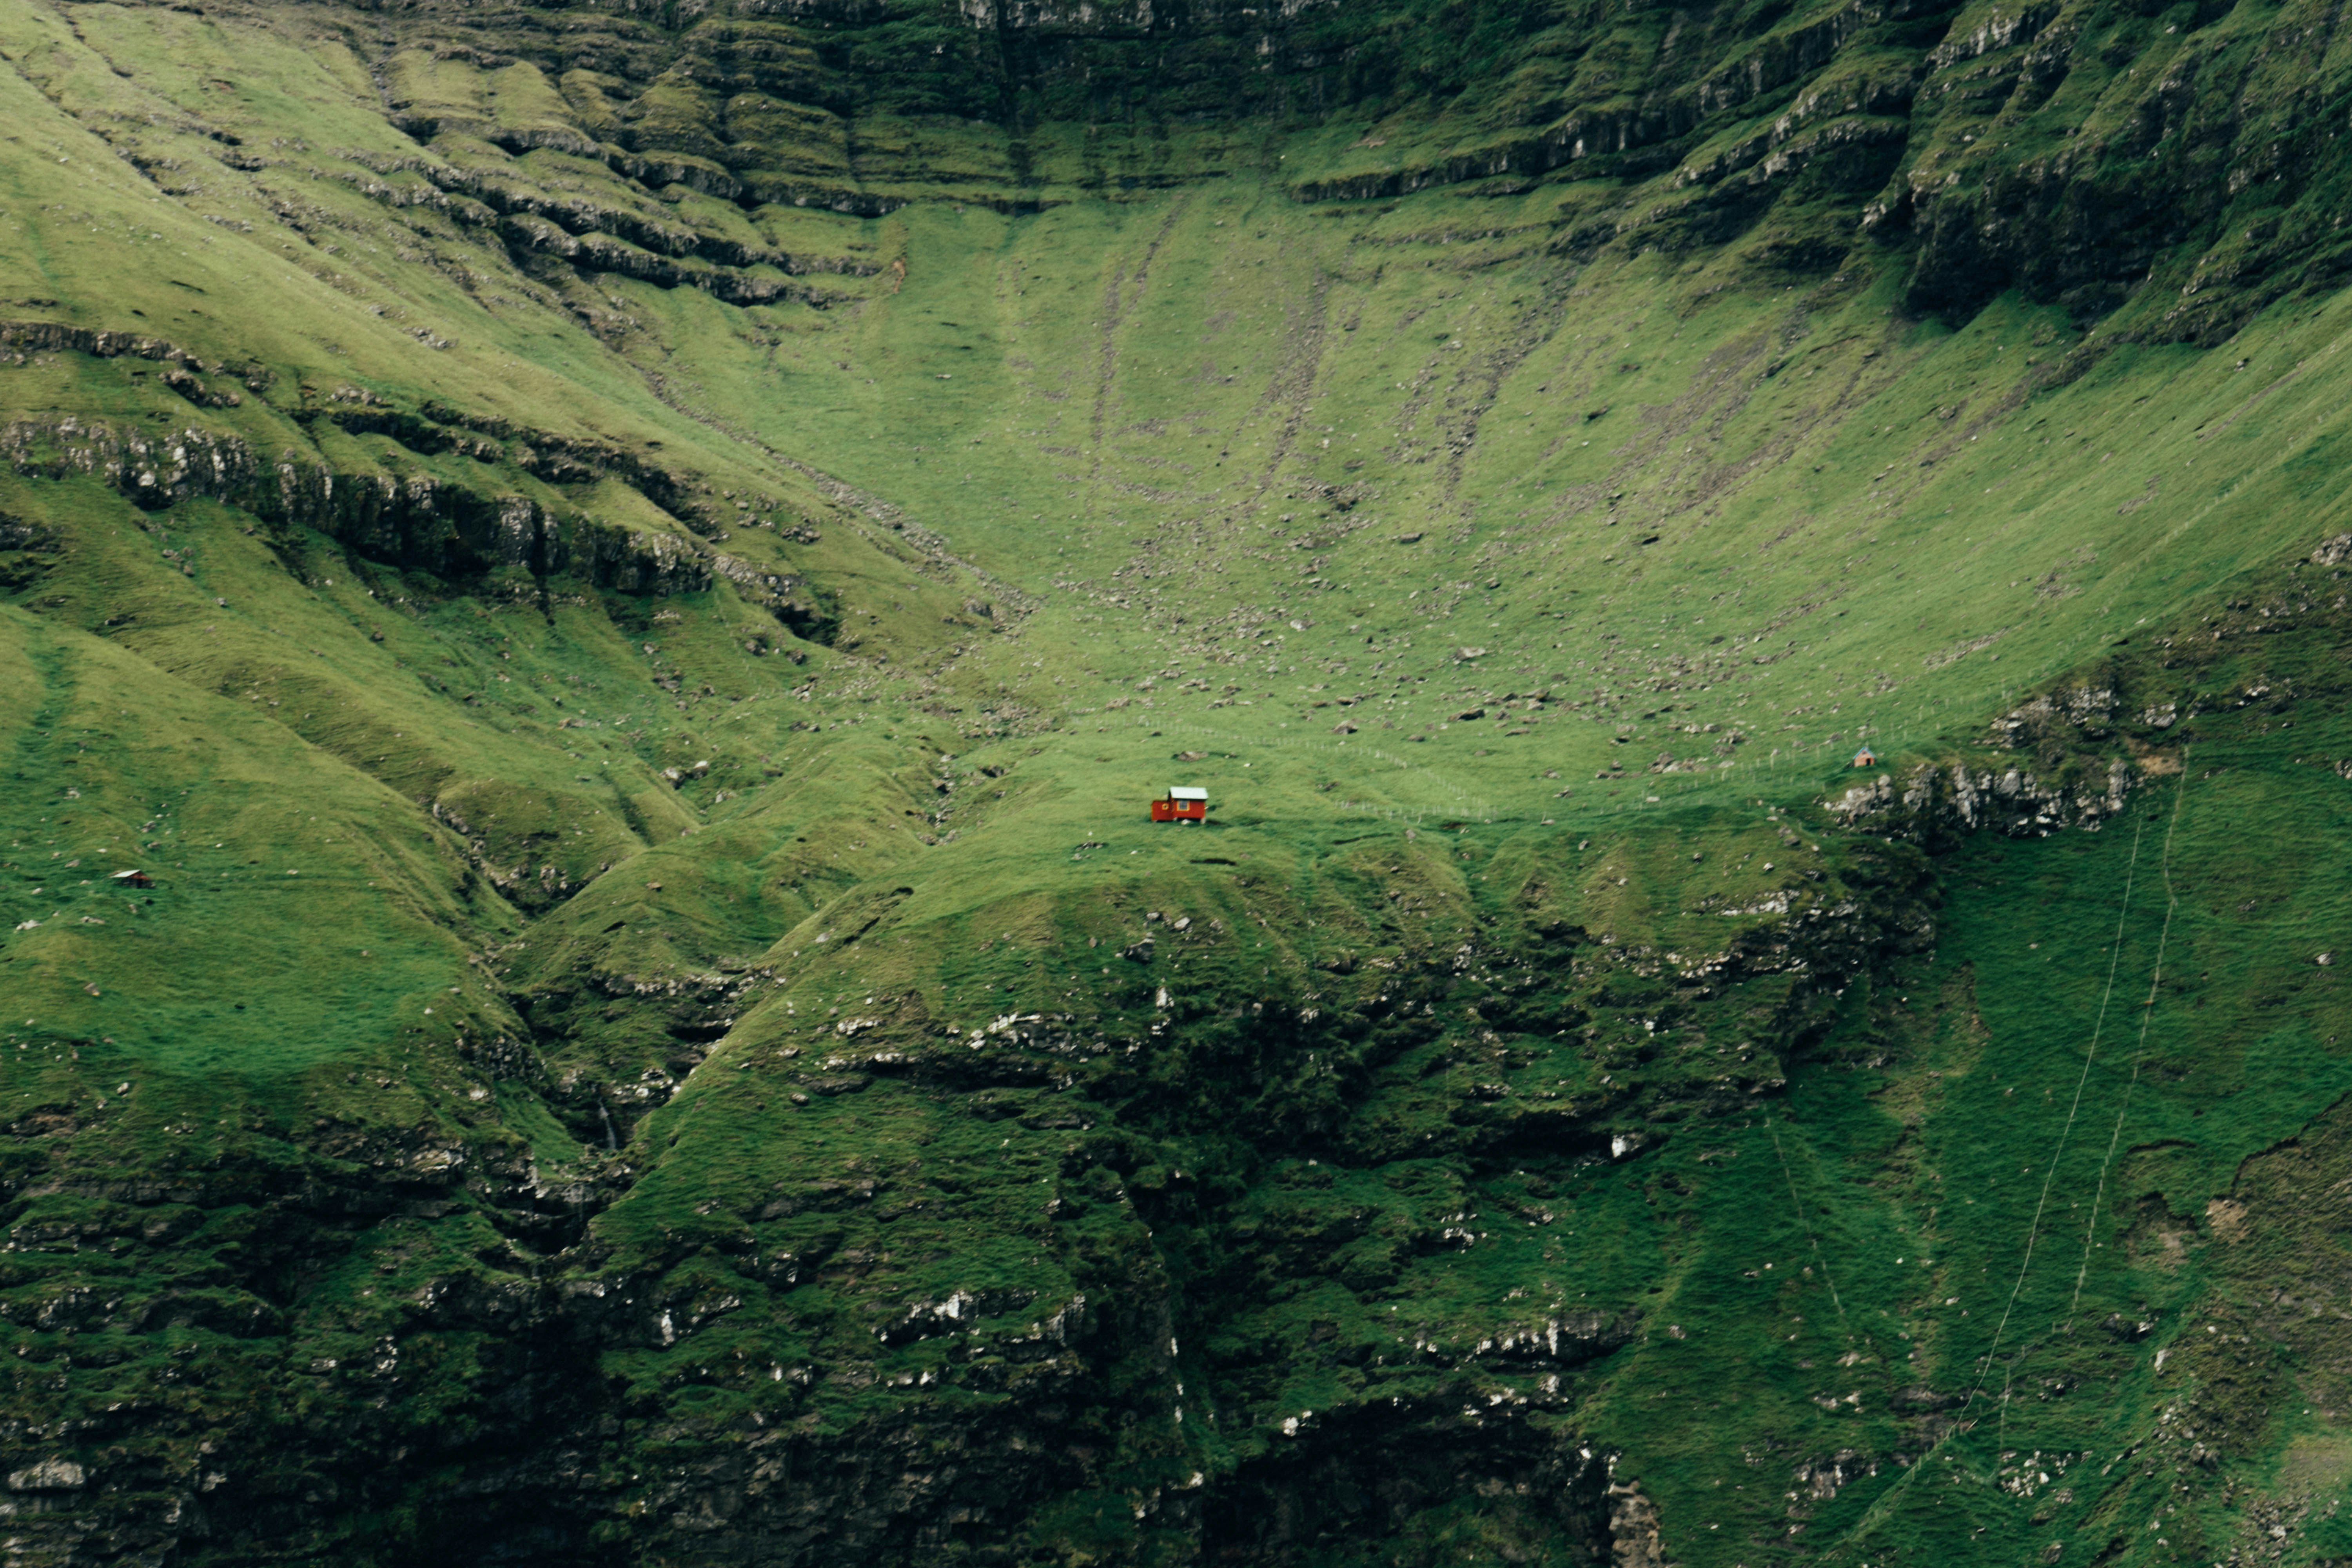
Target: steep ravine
pixel 623 576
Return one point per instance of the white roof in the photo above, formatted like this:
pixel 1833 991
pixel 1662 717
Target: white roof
pixel 119 875
pixel 1186 791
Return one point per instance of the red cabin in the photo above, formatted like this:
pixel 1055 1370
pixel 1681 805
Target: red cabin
pixel 1182 803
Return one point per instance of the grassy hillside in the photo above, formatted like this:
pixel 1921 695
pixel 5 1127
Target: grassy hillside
pixel 628 580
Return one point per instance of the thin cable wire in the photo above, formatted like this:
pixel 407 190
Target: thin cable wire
pixel 2147 1016
pixel 2050 1175
pixel 1798 1204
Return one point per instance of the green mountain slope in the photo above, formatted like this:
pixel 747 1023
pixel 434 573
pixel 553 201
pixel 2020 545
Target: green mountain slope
pixel 627 576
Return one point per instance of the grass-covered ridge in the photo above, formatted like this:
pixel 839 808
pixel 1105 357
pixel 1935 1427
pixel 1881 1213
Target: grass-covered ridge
pixel 629 579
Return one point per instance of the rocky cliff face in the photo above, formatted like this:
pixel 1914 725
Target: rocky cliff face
pixel 482 1395
pixel 2084 155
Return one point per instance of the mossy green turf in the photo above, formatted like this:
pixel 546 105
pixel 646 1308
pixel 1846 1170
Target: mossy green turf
pixel 1177 445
